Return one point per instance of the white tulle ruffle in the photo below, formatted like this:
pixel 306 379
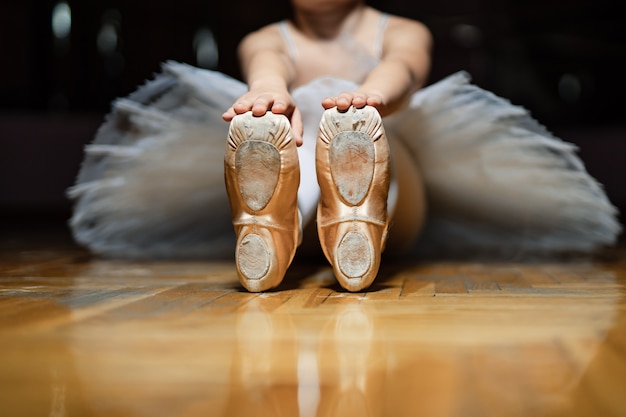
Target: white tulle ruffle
pixel 151 184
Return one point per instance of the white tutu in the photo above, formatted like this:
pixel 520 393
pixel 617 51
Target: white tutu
pixel 152 184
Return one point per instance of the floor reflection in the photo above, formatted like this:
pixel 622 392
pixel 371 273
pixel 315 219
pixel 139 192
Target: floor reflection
pixel 600 389
pixel 362 360
pixel 283 366
pixel 263 366
pixel 87 347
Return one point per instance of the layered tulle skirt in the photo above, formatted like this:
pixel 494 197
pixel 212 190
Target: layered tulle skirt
pixel 152 184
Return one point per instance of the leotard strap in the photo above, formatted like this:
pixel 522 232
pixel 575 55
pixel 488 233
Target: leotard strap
pixel 378 45
pixel 291 46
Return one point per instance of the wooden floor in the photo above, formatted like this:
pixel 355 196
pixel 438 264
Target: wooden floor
pixel 81 336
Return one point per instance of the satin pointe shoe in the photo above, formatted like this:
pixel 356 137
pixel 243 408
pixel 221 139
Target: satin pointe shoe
pixel 353 172
pixel 262 175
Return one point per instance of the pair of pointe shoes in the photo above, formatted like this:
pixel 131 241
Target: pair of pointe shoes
pixel 262 175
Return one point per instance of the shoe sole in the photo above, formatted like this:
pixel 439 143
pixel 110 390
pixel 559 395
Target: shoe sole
pixel 352 159
pixel 258 164
pixel 257 167
pixel 352 148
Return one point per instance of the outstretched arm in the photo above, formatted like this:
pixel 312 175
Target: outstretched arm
pixel 403 69
pixel 268 73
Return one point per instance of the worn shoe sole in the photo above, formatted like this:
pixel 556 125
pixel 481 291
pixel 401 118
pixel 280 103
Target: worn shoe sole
pixel 353 172
pixel 262 177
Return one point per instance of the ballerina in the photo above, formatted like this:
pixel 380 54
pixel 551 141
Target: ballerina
pixel 389 58
pixel 465 170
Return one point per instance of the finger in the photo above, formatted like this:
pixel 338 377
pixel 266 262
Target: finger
pixel 359 101
pixel 281 107
pixel 329 102
pixel 344 101
pixel 297 127
pixel 375 101
pixel 261 106
pixel 242 106
pixel 228 115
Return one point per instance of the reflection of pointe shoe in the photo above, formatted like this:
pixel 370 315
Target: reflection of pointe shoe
pixel 353 171
pixel 263 382
pixel 353 364
pixel 262 175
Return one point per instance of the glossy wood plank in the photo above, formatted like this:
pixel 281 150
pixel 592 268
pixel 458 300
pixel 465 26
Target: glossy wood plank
pixel 92 337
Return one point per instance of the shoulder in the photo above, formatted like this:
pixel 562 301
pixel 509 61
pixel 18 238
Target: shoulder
pixel 410 42
pixel 267 37
pixel 402 32
pixel 399 28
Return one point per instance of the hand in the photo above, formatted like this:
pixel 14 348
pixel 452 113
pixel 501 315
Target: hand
pixel 260 102
pixel 357 99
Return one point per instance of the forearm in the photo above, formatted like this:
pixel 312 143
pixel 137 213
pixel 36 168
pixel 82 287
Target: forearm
pixel 388 88
pixel 268 74
pixel 394 82
pixel 267 69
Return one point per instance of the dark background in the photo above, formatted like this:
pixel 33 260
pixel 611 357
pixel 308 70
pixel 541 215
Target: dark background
pixel 564 61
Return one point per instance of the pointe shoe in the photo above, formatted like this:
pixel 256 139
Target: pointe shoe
pixel 262 175
pixel 353 172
